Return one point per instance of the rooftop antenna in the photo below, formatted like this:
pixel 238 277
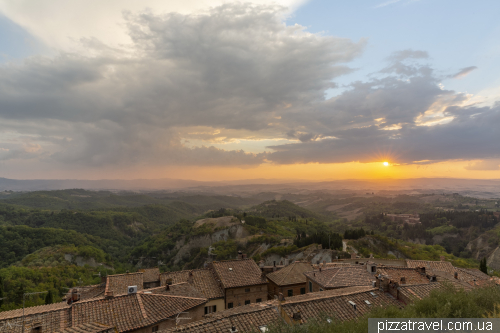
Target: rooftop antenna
pixel 178 319
pixel 29 294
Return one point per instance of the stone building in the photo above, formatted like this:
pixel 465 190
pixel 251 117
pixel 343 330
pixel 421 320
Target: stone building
pixel 242 281
pixel 288 281
pixel 204 280
pixel 339 277
pixel 150 277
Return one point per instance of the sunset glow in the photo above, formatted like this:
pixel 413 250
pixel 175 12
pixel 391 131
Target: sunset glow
pixel 113 103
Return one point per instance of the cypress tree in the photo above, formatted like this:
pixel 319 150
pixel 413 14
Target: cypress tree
pixel 49 298
pixel 482 266
pixel 1 291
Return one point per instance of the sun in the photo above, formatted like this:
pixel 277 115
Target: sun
pixel 386 163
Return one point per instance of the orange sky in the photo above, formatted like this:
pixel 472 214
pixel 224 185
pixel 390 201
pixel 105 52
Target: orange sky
pixel 311 171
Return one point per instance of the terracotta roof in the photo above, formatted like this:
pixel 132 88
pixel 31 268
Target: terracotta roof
pixel 444 266
pixel 128 312
pixel 87 292
pixel 247 318
pixel 33 310
pixel 88 328
pixel 411 275
pixel 151 274
pixel 238 273
pixel 291 274
pixel 338 305
pixel 118 283
pixel 328 293
pixel 179 289
pixel 344 276
pixel 204 280
pixel 332 264
pixel 472 273
pixel 419 291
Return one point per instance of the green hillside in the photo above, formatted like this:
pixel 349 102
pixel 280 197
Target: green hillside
pixel 283 209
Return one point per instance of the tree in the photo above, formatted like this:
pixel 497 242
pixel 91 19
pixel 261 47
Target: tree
pixel 482 266
pixel 49 298
pixel 1 291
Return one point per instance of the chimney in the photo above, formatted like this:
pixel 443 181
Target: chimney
pixel 240 255
pixel 320 268
pixel 261 263
pixel 297 317
pixel 74 295
pixel 287 261
pixel 455 275
pixel 190 277
pixel 353 255
pixel 442 258
pixel 233 329
pixel 244 255
pixel 324 262
pixel 167 287
pixel 371 255
pixel 109 294
pixel 281 263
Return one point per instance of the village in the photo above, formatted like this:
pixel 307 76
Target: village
pixel 241 295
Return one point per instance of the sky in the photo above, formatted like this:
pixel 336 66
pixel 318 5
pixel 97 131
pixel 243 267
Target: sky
pixel 225 90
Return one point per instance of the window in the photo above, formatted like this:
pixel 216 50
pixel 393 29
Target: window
pixel 290 292
pixel 320 289
pixel 210 309
pixel 230 305
pixel 302 291
pixel 37 329
pixel 247 290
pixel 247 302
pixel 310 287
pixel 155 329
pixel 258 300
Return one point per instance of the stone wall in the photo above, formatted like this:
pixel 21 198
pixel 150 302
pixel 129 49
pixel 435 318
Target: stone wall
pixel 238 296
pixel 275 290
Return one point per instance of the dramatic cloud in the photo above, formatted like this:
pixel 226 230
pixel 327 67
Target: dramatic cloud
pixel 189 87
pixel 62 23
pixel 233 67
pixel 405 117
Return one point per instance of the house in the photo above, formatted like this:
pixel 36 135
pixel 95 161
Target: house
pixel 119 284
pixel 411 293
pixel 204 280
pixel 138 312
pixel 150 277
pixel 442 265
pixel 142 311
pixel 242 281
pixel 403 275
pixel 339 277
pixel 44 318
pixel 254 317
pixel 89 328
pixel 342 304
pixel 288 281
